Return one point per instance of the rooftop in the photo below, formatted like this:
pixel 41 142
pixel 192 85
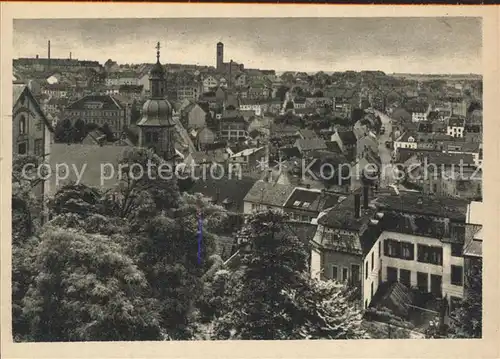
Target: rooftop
pixel 342 216
pixel 310 144
pixel 444 207
pixel 108 103
pixel 267 193
pixel 224 189
pixel 347 137
pixel 302 198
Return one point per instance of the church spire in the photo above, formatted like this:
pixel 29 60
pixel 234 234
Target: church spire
pixel 157 77
pixel 158 52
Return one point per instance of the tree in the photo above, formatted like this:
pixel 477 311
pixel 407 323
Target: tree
pixel 87 288
pixel 26 206
pixel 106 130
pixel 79 199
pixel 466 320
pixel 63 131
pixel 271 296
pixel 144 188
pixel 79 131
pixel 318 93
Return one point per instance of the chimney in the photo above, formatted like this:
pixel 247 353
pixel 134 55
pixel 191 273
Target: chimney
pixel 48 53
pixel 37 56
pixel 70 55
pixel 357 205
pixel 365 196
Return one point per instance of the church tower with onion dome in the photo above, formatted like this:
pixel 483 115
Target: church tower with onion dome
pixel 156 127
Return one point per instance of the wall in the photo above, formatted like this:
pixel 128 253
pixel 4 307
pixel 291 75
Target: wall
pixel 35 126
pixel 315 263
pixel 372 277
pixel 341 261
pixel 250 207
pixel 414 266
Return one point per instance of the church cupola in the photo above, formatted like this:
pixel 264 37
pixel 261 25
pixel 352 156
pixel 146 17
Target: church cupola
pixel 156 127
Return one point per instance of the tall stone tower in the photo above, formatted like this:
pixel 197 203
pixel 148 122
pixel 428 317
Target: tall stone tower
pixel 220 56
pixel 156 127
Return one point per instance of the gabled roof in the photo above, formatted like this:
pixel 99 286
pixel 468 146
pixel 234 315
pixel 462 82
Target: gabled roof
pixel 267 193
pixel 302 198
pixel 310 144
pixel 19 90
pixel 347 137
pixel 109 103
pixel 438 206
pixel 219 190
pixel 308 134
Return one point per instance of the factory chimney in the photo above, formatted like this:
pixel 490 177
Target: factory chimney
pixel 48 53
pixel 70 55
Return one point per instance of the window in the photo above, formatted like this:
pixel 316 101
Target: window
pixel 392 274
pixel 379 249
pixel 38 147
pixel 22 125
pixel 22 148
pixel 457 275
pixel 373 260
pixel 371 290
pixel 335 274
pixel 407 250
pixel 456 249
pixel 345 274
pixel 429 254
pixel 355 273
pixel 405 277
pixel 397 249
pixel 366 270
pixel 296 203
pixel 422 281
pixel 436 282
pixel 39 125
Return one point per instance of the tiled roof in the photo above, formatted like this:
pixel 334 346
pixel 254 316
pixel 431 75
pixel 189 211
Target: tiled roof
pixel 109 103
pixel 290 152
pixel 343 216
pixel 266 193
pixel 333 146
pixel 17 90
pixel 310 144
pixel 347 137
pixel 234 189
pixel 434 206
pixel 439 158
pixel 302 198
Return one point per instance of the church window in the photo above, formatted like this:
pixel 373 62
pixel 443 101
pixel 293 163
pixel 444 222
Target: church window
pixel 22 125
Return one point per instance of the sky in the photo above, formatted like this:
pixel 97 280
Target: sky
pixel 400 45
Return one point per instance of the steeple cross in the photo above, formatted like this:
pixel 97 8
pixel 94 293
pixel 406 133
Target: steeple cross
pixel 158 51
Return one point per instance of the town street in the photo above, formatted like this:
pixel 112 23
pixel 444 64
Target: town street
pixel 387 174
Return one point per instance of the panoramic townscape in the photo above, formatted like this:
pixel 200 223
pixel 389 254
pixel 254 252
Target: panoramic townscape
pixel 172 201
